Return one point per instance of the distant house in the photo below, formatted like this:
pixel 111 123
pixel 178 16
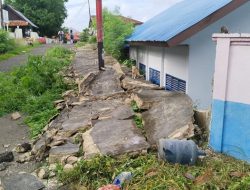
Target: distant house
pixel 17 20
pixel 175 48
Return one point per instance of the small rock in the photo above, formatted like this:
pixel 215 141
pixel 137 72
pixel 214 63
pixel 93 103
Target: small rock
pixel 189 176
pixel 42 173
pixel 26 157
pixel 22 148
pixel 52 174
pixel 15 116
pixel 71 160
pixel 3 166
pixel 6 145
pixel 76 103
pixel 56 153
pixel 58 102
pixel 6 157
pixel 52 167
pixel 60 106
pixel 68 167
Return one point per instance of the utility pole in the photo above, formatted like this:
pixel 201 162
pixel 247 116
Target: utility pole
pixel 99 33
pixel 1 12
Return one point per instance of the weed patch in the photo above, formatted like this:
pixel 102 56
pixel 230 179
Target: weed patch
pixel 32 88
pixel 149 173
pixel 138 121
pixel 135 107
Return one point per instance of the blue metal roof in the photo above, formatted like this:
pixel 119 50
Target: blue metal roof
pixel 176 19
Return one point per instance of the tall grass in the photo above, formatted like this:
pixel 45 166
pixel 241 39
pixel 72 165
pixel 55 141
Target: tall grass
pixel 32 88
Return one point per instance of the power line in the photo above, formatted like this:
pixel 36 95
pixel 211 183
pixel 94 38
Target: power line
pixel 89 10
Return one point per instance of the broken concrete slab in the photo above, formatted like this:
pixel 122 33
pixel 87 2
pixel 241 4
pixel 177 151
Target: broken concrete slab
pixel 123 113
pixel 131 84
pixel 89 147
pixel 145 98
pixel 116 137
pixel 106 83
pixel 57 152
pixel 84 83
pixel 183 133
pixel 22 181
pixel 75 124
pixel 167 112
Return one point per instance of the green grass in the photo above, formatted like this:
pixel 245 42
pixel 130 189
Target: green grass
pixel 215 172
pixel 18 49
pixel 138 121
pixel 135 107
pixel 32 88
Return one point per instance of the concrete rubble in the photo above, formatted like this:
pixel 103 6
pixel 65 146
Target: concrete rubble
pixel 98 118
pixel 101 116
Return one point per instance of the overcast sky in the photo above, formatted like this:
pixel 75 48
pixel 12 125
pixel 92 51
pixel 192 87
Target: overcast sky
pixel 142 10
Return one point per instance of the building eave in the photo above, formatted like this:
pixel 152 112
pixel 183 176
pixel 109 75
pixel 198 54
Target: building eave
pixel 205 22
pixel 189 32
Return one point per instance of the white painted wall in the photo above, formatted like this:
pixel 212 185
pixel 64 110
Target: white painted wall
pixel 176 62
pixel 202 54
pixel 201 58
pixel 133 52
pixel 154 57
pixel 238 89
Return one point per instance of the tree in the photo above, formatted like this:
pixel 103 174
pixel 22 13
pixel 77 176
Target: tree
pixel 48 15
pixel 116 30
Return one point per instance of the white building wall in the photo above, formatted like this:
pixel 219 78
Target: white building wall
pixel 202 54
pixel 176 62
pixel 133 53
pixel 154 57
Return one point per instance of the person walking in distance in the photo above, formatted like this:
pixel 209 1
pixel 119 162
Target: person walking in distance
pixel 71 37
pixel 61 35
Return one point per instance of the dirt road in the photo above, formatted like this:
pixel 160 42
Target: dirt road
pixel 18 60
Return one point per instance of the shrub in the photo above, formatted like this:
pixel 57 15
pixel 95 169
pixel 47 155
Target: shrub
pixel 129 63
pixel 6 44
pixel 92 39
pixel 115 32
pixel 84 36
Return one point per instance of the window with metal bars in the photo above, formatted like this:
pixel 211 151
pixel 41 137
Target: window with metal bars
pixel 175 84
pixel 154 76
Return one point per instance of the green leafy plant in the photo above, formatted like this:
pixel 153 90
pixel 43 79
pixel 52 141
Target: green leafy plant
pixel 129 63
pixel 135 106
pixel 84 35
pixel 6 43
pixel 138 121
pixel 116 30
pixel 32 88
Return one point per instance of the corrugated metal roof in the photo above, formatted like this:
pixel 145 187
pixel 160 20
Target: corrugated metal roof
pixel 176 19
